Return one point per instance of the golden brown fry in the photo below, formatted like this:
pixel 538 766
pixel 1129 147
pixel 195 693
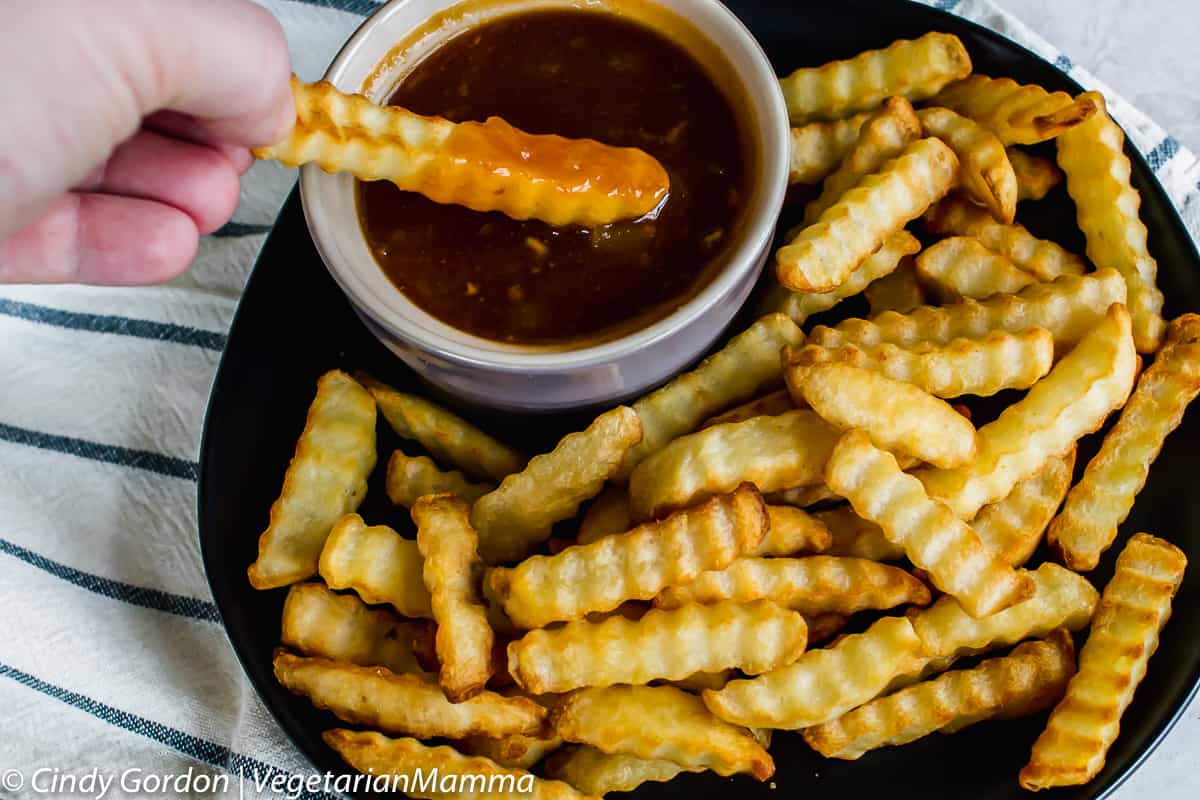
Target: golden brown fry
pixel 597 773
pixel 1012 528
pixel 447 436
pixel 1103 498
pixel 318 622
pixel 897 291
pixel 380 565
pixel 933 538
pixel 818 147
pixel 705 680
pixel 663 645
pixel 881 138
pixel 986 174
pixel 773 453
pixel 485 166
pixel 1016 113
pixel 803 496
pixel 1073 400
pixel 792 531
pixel 822 628
pixel 631 566
pixel 1029 679
pixel 769 405
pixel 962 366
pixel 955 216
pixel 824 255
pixel 451 573
pixel 896 415
pixel 396 764
pixel 1106 207
pixel 608 514
pixel 731 375
pixel 812 585
pixel 802 305
pixel 856 537
pixel 822 684
pixel 659 722
pixel 516 750
pixel 412 704
pixel 521 512
pixel 409 479
pixel 1135 605
pixel 1036 176
pixel 913 68
pixel 961 267
pixel 326 478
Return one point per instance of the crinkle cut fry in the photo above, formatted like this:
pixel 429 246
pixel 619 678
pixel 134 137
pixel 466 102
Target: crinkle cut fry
pixel 856 537
pixel 792 531
pixel 818 147
pixel 1103 498
pixel 1016 113
pixel 987 175
pixel 1134 607
pixel 1024 682
pixel 636 565
pixel 597 773
pixel 768 405
pixel 375 754
pixel 914 68
pixel 485 166
pixel 961 266
pixel 326 478
pixel 825 254
pixel 380 565
pixel 932 536
pixel 1106 208
pixel 1013 527
pixel 607 514
pixel 409 479
pixel 1036 176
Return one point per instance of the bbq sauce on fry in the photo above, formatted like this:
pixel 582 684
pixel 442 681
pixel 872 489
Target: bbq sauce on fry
pixel 579 74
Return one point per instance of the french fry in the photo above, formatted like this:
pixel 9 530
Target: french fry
pixel 663 645
pixel 769 405
pixel 731 375
pixel 659 722
pixel 771 452
pixel 1036 176
pixel 961 267
pixel 856 537
pixel 881 138
pixel 340 627
pixel 1012 528
pixel 802 305
pixel 516 750
pixel 1073 400
pixel 1103 498
pixel 409 479
pixel 1030 679
pixel 813 585
pixel 705 680
pixel 803 496
pixel 792 531
pixel 895 415
pixel 398 763
pixel 1134 607
pixel 934 539
pixel 412 704
pixel 521 512
pixel 825 254
pixel 451 572
pixel 818 147
pixel 1068 307
pixel 595 772
pixel 1106 208
pixel 822 684
pixel 822 628
pixel 897 291
pixel 631 566
pixel 378 564
pixel 960 367
pixel 447 436
pixel 326 478
pixel 914 68
pixel 986 174
pixel 608 514
pixel 1016 113
pixel 955 216
pixel 485 166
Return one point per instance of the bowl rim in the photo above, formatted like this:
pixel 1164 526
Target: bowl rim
pixel 432 337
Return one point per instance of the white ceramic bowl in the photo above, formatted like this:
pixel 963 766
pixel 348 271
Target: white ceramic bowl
pixel 512 377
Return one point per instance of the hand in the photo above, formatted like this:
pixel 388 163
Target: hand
pixel 124 127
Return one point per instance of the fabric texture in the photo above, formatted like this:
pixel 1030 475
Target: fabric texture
pixel 113 656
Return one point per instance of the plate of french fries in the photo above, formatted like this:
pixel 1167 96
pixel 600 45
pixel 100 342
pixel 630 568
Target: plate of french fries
pixel 918 525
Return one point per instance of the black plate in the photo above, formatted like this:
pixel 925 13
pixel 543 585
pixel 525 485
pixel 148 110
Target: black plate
pixel 293 324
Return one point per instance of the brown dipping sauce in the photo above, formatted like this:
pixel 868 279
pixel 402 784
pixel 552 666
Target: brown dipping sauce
pixel 580 74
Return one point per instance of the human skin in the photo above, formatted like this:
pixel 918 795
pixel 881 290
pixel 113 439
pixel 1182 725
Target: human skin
pixel 125 127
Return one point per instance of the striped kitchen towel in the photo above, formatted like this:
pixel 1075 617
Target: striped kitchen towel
pixel 112 657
